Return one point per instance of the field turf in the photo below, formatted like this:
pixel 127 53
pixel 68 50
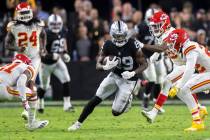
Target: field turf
pixel 101 125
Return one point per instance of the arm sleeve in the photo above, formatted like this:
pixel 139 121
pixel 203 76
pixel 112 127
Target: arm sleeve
pixel 191 59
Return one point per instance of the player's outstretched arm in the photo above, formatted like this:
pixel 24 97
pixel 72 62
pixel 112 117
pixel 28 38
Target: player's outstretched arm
pixel 141 61
pixel 155 48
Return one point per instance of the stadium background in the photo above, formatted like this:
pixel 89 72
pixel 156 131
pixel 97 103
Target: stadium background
pixel 88 26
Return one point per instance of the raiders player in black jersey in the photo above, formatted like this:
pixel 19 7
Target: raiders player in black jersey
pixel 53 62
pixel 151 74
pixel 126 63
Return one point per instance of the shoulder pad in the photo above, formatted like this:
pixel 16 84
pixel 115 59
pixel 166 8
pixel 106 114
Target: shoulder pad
pixel 10 24
pixel 41 23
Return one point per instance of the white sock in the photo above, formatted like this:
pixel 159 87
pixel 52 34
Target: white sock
pixel 67 102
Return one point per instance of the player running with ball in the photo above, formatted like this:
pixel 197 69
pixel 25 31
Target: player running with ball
pixel 128 61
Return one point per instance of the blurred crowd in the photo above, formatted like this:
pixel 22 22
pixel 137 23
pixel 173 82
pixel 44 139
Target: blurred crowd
pixel 87 29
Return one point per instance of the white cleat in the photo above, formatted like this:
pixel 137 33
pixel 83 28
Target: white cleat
pixel 37 125
pixel 77 125
pixel 150 116
pixel 161 111
pixel 24 115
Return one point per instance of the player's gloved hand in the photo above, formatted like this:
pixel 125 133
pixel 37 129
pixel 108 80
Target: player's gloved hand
pixel 154 57
pixel 128 74
pixel 66 58
pixel 55 56
pixel 173 91
pixel 110 63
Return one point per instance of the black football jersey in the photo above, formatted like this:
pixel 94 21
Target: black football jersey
pixel 55 44
pixel 145 37
pixel 125 54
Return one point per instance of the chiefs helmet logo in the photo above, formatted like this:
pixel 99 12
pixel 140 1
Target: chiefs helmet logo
pixel 173 37
pixel 163 17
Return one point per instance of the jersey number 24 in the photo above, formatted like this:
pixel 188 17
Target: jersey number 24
pixel 24 39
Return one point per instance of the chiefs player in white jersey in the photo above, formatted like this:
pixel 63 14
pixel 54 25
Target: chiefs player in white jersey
pixel 161 27
pixel 13 80
pixel 26 35
pixel 196 57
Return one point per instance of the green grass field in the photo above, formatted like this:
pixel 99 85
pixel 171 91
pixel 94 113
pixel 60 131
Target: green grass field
pixel 101 125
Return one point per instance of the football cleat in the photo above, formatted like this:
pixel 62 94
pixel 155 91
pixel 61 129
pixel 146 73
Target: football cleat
pixel 24 115
pixel 195 127
pixel 41 111
pixel 37 125
pixel 77 125
pixel 150 115
pixel 69 109
pixel 203 112
pixel 161 111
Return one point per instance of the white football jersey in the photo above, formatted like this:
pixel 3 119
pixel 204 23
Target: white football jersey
pixel 27 36
pixel 203 59
pixel 10 73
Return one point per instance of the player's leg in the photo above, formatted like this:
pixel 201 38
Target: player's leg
pixel 160 74
pixel 171 78
pixel 44 76
pixel 197 84
pixel 150 75
pixel 61 72
pixel 29 101
pixel 36 62
pixel 123 97
pixel 106 88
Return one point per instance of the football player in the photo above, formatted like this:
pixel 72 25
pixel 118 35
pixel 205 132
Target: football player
pixel 124 57
pixel 161 27
pixel 14 79
pixel 196 57
pixel 53 62
pixel 26 35
pixel 155 70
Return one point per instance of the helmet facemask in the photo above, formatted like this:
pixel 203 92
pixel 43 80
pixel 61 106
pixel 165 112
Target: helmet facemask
pixel 55 23
pixel 119 39
pixel 156 29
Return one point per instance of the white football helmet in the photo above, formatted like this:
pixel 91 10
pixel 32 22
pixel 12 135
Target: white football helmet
pixel 119 33
pixel 23 12
pixel 55 23
pixel 149 13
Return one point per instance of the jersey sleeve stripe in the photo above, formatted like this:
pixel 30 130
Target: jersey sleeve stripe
pixel 189 49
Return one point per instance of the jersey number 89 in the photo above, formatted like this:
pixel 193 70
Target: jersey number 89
pixel 125 62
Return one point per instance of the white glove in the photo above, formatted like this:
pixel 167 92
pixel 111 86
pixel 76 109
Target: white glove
pixel 110 64
pixel 128 74
pixel 66 58
pixel 55 56
pixel 154 57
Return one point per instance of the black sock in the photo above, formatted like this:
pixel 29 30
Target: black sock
pixel 89 108
pixel 146 96
pixel 66 89
pixel 40 93
pixel 156 90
